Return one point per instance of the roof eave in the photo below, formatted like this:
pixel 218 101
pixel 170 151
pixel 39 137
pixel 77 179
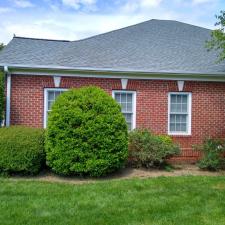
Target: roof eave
pixel 111 73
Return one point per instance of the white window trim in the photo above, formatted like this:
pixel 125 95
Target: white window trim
pixel 134 103
pixel 46 90
pixel 189 113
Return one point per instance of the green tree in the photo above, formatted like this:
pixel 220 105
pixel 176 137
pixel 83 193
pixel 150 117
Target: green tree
pixel 1 46
pixel 217 41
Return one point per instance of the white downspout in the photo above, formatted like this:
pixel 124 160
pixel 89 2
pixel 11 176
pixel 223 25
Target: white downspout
pixel 8 95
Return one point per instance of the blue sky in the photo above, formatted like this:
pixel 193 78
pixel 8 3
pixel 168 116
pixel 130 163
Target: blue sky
pixel 76 19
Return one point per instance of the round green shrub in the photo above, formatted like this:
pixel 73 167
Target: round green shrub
pixel 21 150
pixel 86 133
pixel 149 150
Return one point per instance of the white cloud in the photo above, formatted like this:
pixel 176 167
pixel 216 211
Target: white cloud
pixel 23 3
pixel 134 5
pixel 5 10
pixel 76 4
pixel 196 2
pixel 56 22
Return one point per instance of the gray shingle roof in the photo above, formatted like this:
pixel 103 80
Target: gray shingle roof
pixel 151 46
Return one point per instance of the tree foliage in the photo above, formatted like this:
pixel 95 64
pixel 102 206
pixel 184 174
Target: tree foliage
pixel 1 46
pixel 217 41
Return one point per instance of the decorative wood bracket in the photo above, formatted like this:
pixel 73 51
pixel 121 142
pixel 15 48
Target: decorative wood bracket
pixel 180 84
pixel 57 80
pixel 124 83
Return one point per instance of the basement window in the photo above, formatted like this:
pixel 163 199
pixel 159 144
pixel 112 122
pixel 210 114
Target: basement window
pixel 127 101
pixel 179 113
pixel 50 95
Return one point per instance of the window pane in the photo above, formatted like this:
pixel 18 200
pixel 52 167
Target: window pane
pixel 123 97
pixel 183 127
pixel 173 107
pixel 184 108
pixel 172 118
pixel 172 127
pixel 117 97
pixel 179 97
pixel 178 109
pixel 128 117
pixel 129 98
pixel 184 99
pixel 129 107
pixel 51 95
pixel 177 118
pixel 173 98
pixel 177 127
pixel 184 119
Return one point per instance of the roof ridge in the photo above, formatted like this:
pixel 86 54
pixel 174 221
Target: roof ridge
pixel 41 39
pixel 137 24
pixel 111 31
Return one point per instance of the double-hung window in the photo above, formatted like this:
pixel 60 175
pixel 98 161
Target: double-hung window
pixel 179 113
pixel 127 101
pixel 50 95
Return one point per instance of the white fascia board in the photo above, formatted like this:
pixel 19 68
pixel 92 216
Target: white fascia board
pixel 120 74
pixel 137 77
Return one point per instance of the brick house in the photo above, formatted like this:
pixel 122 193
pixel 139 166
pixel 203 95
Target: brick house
pixel 159 71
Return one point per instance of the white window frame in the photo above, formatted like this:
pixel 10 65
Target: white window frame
pixel 189 113
pixel 133 106
pixel 46 90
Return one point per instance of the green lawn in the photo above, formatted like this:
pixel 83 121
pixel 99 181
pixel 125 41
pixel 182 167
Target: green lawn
pixel 171 200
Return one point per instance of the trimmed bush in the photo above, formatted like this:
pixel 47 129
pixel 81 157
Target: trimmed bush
pixel 213 154
pixel 21 150
pixel 149 150
pixel 86 133
pixel 2 97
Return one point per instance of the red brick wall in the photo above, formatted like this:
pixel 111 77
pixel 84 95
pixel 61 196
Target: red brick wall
pixel 208 104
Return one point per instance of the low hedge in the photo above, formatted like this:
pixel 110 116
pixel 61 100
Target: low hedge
pixel 21 150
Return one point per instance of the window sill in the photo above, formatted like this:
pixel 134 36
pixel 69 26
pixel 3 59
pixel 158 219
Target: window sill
pixel 179 135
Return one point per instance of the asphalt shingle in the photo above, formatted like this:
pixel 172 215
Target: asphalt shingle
pixel 151 46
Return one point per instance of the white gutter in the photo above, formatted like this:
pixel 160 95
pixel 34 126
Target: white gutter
pixel 121 76
pixel 121 71
pixel 8 95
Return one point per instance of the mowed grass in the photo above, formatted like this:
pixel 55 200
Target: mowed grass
pixel 164 200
